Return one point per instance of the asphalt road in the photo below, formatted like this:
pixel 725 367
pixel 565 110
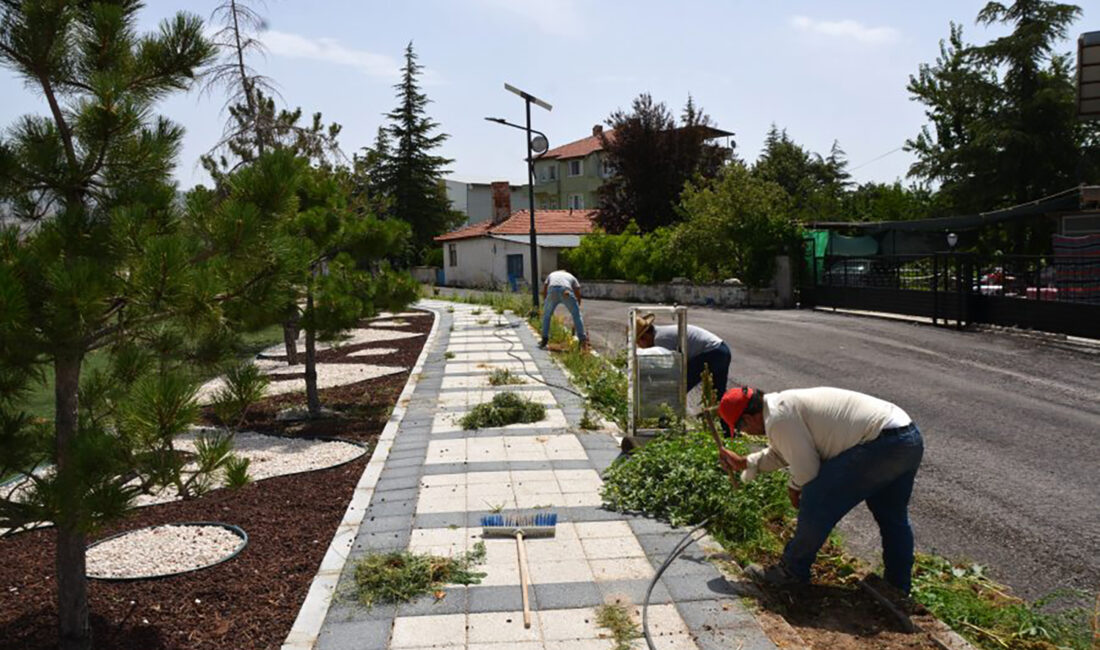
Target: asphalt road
pixel 1011 472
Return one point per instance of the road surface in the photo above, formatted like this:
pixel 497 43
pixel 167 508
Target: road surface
pixel 1011 472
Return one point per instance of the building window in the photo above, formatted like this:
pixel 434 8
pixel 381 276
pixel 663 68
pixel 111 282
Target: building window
pixel 606 168
pixel 576 167
pixel 452 253
pixel 576 201
pixel 552 171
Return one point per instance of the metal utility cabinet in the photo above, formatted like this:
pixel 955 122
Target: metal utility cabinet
pixel 657 377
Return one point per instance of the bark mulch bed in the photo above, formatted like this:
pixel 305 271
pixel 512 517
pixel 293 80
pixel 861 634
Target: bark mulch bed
pixel 361 408
pixel 250 601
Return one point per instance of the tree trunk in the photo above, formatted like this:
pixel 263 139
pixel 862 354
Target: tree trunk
pixel 290 338
pixel 312 399
pixel 72 586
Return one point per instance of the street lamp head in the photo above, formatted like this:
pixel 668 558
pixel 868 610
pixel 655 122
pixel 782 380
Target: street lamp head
pixel 952 239
pixel 498 120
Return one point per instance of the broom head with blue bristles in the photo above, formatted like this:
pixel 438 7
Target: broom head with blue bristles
pixel 538 525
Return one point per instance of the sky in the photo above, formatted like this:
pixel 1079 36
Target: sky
pixel 823 71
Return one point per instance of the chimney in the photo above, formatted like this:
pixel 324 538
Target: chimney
pixel 502 201
pixel 597 130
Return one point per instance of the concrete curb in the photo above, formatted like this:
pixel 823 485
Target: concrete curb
pixel 307 626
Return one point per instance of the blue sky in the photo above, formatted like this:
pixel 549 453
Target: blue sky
pixel 824 71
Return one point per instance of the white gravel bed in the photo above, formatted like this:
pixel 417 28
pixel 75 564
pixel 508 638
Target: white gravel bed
pixel 403 314
pixel 268 456
pixel 357 336
pixel 161 550
pixel 329 375
pixel 391 323
pixel 373 352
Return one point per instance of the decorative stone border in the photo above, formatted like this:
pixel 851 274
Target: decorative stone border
pixel 307 626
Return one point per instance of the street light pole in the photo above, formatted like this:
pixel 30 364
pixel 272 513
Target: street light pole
pixel 531 207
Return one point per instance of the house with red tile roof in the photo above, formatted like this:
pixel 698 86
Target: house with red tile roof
pixel 496 252
pixel 570 176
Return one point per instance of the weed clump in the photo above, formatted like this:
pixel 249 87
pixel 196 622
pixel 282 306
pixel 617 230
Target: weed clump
pixel 399 577
pixel 504 377
pixel 981 610
pixel 615 618
pixel 504 409
pixel 677 478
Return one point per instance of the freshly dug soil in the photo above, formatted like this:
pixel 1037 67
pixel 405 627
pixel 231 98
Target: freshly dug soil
pixel 250 601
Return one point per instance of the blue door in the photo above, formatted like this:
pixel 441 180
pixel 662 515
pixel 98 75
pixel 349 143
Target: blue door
pixel 515 271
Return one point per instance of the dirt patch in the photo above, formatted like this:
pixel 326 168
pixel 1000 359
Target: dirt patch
pixel 250 601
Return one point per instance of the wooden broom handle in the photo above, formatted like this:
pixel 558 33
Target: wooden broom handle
pixel 523 579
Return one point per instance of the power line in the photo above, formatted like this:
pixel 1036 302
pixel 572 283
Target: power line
pixel 852 169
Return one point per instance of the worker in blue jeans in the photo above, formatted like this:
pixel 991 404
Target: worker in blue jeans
pixel 561 287
pixel 842 448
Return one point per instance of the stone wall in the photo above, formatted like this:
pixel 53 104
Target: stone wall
pixel 780 294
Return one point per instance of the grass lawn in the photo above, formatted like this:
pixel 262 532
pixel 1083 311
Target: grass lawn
pixel 39 402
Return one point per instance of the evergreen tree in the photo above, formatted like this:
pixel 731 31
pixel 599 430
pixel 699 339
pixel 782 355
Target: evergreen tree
pixel 98 257
pixel 815 184
pixel 413 174
pixel 1001 126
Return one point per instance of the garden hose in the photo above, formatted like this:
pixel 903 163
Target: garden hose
pixel 523 364
pixel 676 551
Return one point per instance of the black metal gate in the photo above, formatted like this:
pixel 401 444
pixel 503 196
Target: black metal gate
pixel 1052 294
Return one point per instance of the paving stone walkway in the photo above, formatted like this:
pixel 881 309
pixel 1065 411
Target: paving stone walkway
pixel 438 481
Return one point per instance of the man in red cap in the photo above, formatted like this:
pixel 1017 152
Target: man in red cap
pixel 842 448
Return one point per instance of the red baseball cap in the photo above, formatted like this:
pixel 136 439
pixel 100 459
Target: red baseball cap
pixel 733 405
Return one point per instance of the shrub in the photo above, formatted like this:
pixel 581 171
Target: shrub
pixel 504 409
pixel 244 386
pixel 236 471
pixel 504 377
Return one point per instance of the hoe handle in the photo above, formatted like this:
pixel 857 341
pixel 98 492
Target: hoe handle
pixel 523 579
pixel 708 420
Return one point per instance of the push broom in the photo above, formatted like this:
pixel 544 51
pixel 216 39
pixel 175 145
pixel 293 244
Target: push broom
pixel 521 527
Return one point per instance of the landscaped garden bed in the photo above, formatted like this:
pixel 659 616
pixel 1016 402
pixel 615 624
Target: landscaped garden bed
pixel 252 599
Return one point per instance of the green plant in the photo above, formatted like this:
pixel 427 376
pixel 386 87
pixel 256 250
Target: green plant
pixel 616 618
pixel 986 614
pixel 483 321
pixel 448 355
pixel 504 377
pixel 678 479
pixel 236 471
pixel 475 312
pixel 399 577
pixel 245 385
pixel 504 409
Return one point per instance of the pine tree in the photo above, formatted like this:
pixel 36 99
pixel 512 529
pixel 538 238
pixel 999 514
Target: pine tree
pixel 413 174
pixel 98 257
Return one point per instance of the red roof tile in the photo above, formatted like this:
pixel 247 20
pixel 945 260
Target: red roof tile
pixel 578 149
pixel 547 222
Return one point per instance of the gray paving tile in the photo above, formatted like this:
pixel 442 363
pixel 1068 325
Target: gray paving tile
pixel 385 524
pixel 391 496
pixel 414 463
pixel 499 599
pixel 743 638
pixel 345 610
pixel 382 507
pixel 697 587
pixel 391 540
pixel 357 635
pixel 715 614
pixel 391 484
pixel 567 595
pixel 648 526
pixel 399 472
pixel 453 602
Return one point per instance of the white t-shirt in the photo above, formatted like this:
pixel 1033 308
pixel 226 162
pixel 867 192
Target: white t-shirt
pixel 808 426
pixel 699 340
pixel 562 280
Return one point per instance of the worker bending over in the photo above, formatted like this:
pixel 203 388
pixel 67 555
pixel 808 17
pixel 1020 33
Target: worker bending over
pixel 842 448
pixel 561 287
pixel 704 349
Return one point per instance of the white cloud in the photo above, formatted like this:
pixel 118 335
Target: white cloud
pixel 552 17
pixel 330 50
pixel 849 29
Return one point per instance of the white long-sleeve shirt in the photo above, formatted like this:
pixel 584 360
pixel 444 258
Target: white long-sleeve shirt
pixel 808 426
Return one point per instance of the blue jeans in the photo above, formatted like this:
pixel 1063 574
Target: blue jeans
pixel 554 297
pixel 718 360
pixel 880 472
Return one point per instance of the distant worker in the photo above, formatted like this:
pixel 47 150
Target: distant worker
pixel 704 349
pixel 561 287
pixel 843 448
